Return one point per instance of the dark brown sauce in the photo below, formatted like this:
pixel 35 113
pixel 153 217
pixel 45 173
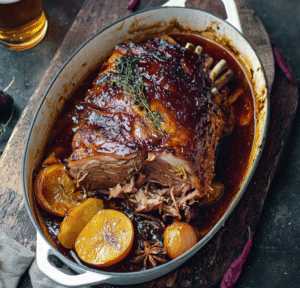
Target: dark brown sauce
pixel 232 158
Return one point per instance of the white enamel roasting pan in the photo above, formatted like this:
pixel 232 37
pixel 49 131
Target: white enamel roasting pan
pixel 137 26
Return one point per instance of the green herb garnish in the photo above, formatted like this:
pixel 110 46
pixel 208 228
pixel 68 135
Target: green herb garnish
pixel 133 83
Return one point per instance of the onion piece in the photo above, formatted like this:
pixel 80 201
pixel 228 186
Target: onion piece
pixel 235 269
pixel 131 4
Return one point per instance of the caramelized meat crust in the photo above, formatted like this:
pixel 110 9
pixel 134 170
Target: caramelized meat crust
pixel 150 115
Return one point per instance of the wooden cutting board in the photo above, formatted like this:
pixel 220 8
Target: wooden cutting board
pixel 209 265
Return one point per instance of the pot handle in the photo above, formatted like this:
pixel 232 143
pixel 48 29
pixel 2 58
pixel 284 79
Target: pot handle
pixel 232 14
pixel 230 8
pixel 44 250
pixel 175 3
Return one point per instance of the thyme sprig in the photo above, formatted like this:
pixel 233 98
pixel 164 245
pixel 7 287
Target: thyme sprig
pixel 133 84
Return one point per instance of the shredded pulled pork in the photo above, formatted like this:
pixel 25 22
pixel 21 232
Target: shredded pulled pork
pixel 149 198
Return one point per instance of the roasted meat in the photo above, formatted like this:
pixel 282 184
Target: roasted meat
pixel 150 126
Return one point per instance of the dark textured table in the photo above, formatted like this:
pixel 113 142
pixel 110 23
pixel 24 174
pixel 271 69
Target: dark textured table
pixel 275 258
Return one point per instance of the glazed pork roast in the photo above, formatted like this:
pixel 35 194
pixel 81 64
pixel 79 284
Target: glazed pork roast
pixel 150 126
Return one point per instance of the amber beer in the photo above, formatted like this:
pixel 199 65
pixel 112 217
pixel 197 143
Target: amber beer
pixel 23 23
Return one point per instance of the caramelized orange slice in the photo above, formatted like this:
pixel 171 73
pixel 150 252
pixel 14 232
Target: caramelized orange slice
pixel 55 190
pixel 106 240
pixel 76 219
pixel 52 159
pixel 179 237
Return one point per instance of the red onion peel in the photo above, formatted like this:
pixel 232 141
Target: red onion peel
pixel 235 269
pixel 131 4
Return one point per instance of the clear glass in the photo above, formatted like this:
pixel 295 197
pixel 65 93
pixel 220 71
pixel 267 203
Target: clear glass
pixel 23 23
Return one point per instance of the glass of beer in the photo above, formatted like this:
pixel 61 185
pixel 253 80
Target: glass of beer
pixel 23 23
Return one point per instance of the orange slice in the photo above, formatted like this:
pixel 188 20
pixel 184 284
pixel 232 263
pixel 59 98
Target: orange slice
pixel 52 159
pixel 179 237
pixel 55 190
pixel 76 219
pixel 106 240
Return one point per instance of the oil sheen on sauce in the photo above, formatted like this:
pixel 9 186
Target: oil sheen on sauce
pixel 232 156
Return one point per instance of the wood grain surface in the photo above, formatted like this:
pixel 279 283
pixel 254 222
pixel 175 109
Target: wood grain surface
pixel 209 265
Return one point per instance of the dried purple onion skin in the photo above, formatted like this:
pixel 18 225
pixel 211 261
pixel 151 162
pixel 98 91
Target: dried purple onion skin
pixel 131 4
pixel 280 61
pixel 234 271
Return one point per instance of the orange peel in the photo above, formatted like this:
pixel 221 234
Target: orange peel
pixel 55 190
